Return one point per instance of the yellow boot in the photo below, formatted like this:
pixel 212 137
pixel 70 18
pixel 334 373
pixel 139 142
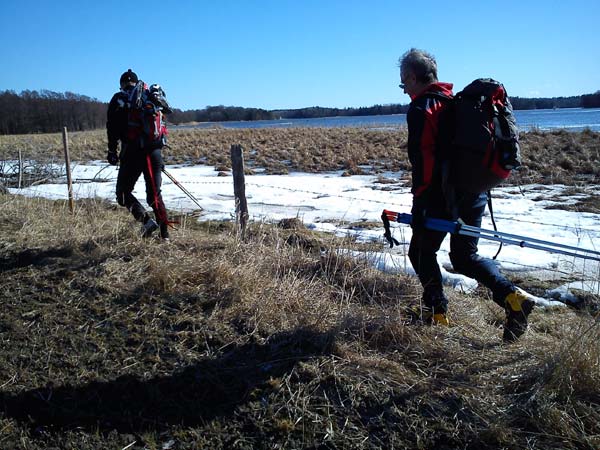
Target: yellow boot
pixel 518 305
pixel 440 319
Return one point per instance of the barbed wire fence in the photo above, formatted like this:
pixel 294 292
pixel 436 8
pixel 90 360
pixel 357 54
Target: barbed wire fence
pixel 58 176
pixel 355 232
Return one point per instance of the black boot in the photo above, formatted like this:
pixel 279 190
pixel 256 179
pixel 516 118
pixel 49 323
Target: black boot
pixel 164 231
pixel 149 226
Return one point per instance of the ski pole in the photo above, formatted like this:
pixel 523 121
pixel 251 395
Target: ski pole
pixel 498 236
pixel 185 191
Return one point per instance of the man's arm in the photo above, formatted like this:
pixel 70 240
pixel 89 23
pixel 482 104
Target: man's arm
pixel 113 124
pixel 418 151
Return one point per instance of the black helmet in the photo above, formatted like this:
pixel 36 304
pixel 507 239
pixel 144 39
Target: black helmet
pixel 128 77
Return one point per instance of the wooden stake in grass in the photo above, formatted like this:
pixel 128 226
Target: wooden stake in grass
pixel 239 186
pixel 68 166
pixel 20 169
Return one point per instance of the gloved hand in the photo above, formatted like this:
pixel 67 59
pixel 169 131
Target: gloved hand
pixel 419 213
pixel 112 158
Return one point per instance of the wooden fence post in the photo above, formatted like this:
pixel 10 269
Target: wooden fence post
pixel 68 165
pixel 239 187
pixel 20 169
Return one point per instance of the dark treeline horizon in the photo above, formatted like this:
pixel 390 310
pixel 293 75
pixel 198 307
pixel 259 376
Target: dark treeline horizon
pixel 47 111
pixel 232 113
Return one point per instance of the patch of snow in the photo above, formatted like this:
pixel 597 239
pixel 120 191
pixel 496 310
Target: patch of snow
pixel 328 202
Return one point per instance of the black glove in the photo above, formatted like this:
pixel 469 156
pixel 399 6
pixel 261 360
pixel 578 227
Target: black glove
pixel 112 158
pixel 419 213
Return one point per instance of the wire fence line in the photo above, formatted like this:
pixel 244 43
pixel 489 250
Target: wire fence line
pixel 354 232
pixel 320 194
pixel 226 180
pixel 406 205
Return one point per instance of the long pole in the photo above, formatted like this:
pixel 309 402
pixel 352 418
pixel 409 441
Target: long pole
pixel 498 236
pixel 184 190
pixel 518 239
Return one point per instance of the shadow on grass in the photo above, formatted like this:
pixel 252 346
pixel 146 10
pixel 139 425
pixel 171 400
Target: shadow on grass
pixel 209 389
pixel 33 257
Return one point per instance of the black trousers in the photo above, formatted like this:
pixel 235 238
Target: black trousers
pixel 463 254
pixel 134 162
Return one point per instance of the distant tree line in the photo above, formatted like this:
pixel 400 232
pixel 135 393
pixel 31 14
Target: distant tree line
pixel 318 111
pixel 219 114
pixel 227 113
pixel 47 111
pixel 591 100
pixel 233 113
pixel 546 103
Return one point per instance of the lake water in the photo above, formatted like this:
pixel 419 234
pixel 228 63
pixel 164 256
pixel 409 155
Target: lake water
pixel 571 119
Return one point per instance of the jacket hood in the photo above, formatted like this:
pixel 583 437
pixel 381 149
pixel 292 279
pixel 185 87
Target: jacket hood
pixel 438 87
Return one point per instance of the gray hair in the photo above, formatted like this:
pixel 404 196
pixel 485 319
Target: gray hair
pixel 421 63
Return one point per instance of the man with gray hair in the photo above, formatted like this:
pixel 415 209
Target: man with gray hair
pixel 430 134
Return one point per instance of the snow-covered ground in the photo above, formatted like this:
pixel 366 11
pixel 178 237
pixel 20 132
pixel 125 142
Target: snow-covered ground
pixel 330 202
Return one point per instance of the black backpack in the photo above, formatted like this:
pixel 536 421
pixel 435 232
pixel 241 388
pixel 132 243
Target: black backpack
pixel 145 108
pixel 486 141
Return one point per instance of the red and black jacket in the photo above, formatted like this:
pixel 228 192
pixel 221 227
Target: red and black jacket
pixel 429 137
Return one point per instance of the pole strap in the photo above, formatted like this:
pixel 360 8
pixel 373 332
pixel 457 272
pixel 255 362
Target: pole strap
pixel 159 206
pixel 385 217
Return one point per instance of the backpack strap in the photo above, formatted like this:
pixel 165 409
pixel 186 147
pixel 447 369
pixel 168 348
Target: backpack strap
pixel 489 202
pixel 439 96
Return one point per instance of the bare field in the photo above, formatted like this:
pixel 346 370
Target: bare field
pixel 111 341
pixel 274 342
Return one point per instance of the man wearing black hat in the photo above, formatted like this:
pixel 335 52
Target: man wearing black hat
pixel 137 155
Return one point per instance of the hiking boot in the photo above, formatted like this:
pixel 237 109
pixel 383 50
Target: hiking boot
pixel 427 317
pixel 164 231
pixel 440 319
pixel 148 228
pixel 518 305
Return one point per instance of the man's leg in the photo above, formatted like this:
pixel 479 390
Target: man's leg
pixel 129 172
pixel 153 178
pixel 463 250
pixel 464 258
pixel 423 257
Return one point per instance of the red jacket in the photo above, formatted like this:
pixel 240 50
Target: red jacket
pixel 429 125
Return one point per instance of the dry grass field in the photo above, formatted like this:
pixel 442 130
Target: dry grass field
pixel 211 342
pixel 108 341
pixel 557 157
pixel 549 157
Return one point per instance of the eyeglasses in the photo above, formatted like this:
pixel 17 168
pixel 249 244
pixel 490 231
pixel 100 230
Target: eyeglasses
pixel 403 79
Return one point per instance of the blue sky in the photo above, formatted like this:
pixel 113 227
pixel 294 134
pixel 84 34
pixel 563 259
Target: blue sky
pixel 296 53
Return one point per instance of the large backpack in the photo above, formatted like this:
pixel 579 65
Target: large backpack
pixel 146 107
pixel 486 141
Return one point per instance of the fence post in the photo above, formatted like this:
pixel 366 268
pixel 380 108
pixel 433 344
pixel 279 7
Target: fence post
pixel 239 187
pixel 20 169
pixel 68 166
